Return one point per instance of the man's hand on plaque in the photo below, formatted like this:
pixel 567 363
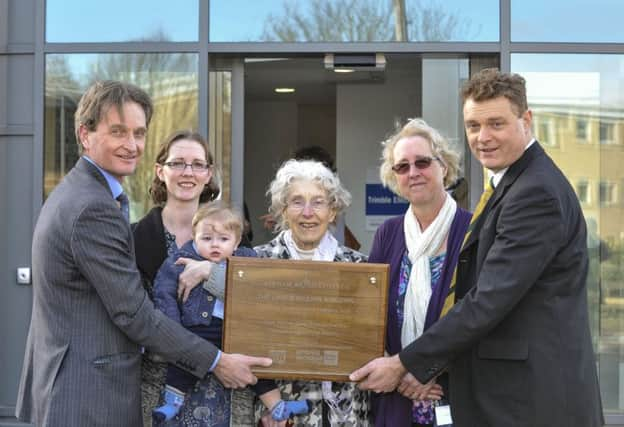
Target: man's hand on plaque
pixel 380 375
pixel 234 370
pixel 411 388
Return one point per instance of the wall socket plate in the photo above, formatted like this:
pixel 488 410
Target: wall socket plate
pixel 23 275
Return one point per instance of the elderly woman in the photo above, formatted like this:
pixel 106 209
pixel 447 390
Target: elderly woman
pixel 305 199
pixel 422 247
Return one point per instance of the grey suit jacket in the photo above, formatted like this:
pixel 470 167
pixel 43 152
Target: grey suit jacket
pixel 517 344
pixel 91 315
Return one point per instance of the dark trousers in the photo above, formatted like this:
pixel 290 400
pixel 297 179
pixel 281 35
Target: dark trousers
pixel 183 380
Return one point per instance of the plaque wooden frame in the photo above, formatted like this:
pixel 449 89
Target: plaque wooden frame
pixel 317 320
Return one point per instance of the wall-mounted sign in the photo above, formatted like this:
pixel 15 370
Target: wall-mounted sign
pixel 381 203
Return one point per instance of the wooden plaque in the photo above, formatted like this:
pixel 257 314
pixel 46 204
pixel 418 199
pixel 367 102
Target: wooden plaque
pixel 317 320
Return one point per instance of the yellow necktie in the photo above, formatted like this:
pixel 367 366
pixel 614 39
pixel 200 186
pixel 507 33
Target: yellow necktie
pixel 485 196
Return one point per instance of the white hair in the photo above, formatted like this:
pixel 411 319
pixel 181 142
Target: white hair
pixel 305 170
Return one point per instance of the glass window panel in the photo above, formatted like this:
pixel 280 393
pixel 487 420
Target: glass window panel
pixel 583 97
pixel 544 131
pixel 582 190
pixel 581 21
pixel 170 79
pixel 442 107
pixel 353 21
pixel 581 129
pixel 607 193
pixel 607 132
pixel 220 125
pixel 121 20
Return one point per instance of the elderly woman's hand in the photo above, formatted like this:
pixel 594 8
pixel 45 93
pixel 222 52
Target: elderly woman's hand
pixel 268 421
pixel 194 273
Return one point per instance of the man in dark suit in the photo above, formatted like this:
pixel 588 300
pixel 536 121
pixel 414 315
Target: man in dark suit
pixel 517 343
pixel 91 316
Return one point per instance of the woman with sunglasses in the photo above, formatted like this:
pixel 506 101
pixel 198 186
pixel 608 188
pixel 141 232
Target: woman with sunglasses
pixel 305 198
pixel 422 247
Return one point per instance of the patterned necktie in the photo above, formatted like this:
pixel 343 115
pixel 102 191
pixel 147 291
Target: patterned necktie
pixel 485 196
pixel 124 205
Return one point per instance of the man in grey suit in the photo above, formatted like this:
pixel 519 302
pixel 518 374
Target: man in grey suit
pixel 91 316
pixel 517 343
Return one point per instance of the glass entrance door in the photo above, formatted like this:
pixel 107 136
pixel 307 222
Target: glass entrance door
pixel 297 102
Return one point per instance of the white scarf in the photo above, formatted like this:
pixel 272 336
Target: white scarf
pixel 420 247
pixel 325 251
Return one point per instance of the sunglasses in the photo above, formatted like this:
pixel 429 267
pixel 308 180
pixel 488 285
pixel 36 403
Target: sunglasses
pixel 420 163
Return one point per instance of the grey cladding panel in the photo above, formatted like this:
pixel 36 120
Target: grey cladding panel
pixel 19 91
pixel 21 22
pixel 16 188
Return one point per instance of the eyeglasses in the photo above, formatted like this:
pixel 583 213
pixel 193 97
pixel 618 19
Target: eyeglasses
pixel 298 205
pixel 420 163
pixel 197 167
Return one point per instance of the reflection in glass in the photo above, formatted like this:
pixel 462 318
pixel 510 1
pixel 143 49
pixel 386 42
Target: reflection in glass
pixel 582 99
pixel 581 21
pixel 606 132
pixel 581 130
pixel 354 21
pixel 441 108
pixel 220 125
pixel 582 191
pixel 170 79
pixel 121 20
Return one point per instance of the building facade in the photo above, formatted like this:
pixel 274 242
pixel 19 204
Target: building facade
pixel 347 72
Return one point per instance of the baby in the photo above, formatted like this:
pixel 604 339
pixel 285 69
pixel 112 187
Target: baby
pixel 217 231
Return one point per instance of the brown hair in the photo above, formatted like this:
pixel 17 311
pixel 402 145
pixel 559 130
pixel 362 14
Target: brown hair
pixel 101 96
pixel 490 83
pixel 228 217
pixel 158 190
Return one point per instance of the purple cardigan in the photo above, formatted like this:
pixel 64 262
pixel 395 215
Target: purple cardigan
pixel 392 409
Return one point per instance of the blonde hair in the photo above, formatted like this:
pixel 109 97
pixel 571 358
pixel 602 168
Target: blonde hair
pixel 439 148
pixel 227 216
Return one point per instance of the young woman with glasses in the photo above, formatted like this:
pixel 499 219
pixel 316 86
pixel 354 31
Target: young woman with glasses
pixel 183 178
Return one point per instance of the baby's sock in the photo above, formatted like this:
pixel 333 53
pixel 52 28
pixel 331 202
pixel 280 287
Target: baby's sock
pixel 174 399
pixel 285 409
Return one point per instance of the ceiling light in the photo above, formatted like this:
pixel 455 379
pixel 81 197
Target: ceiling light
pixel 343 70
pixel 284 89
